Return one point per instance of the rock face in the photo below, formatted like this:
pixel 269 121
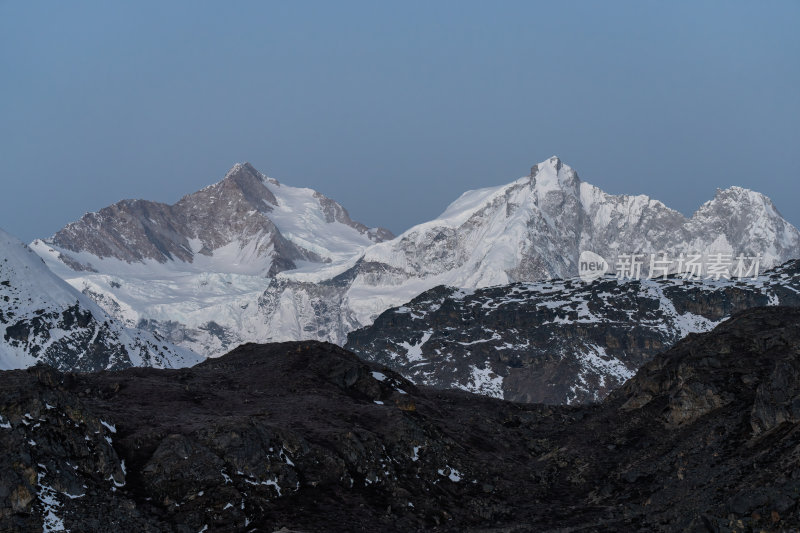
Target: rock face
pixel 252 260
pixel 44 320
pixel 560 341
pixel 307 437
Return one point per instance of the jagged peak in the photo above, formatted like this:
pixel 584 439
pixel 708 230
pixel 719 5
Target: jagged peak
pixel 552 162
pixel 243 170
pixel 251 183
pixel 739 196
pixel 242 167
pixel 555 162
pixel 739 202
pixel 248 171
pixel 553 174
pixel 741 193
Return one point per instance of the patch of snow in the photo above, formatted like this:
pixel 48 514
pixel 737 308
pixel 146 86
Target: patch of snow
pixel 414 351
pixel 483 381
pixel 595 358
pixel 51 522
pixel 454 475
pixel 285 457
pixel 273 483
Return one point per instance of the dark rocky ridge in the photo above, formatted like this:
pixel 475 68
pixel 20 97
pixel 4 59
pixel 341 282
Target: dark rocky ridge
pixel 704 438
pixel 556 342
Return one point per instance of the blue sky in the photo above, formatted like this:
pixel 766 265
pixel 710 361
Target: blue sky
pixel 392 108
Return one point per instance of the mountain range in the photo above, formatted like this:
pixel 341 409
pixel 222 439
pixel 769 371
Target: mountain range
pixel 684 391
pixel 251 259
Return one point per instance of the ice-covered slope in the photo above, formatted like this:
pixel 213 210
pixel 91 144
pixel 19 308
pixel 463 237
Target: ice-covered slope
pixel 45 320
pixel 249 259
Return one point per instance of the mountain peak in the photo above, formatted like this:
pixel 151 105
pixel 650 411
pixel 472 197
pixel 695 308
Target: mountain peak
pixel 245 223
pixel 553 174
pixel 250 183
pixel 243 168
pixel 740 193
pixel 553 162
pixel 245 176
pixel 737 198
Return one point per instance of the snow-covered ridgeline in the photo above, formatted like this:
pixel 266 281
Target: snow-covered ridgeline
pixel 306 271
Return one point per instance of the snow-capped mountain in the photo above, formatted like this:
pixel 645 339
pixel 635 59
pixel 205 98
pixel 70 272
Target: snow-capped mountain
pixel 533 228
pixel 45 320
pixel 245 224
pixel 195 271
pixel 559 341
pixel 249 259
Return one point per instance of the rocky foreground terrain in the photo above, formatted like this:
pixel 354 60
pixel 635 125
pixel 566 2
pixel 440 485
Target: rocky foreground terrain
pixel 307 437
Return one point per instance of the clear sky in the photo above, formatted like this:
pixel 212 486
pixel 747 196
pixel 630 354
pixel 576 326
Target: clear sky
pixel 392 108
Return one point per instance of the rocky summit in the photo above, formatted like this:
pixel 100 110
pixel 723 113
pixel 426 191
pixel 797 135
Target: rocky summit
pixel 304 436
